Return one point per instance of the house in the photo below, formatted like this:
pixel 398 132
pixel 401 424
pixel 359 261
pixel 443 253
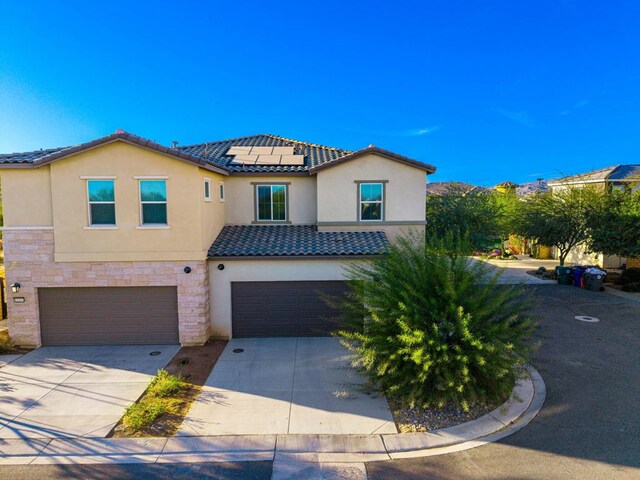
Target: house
pixel 123 241
pixel 614 178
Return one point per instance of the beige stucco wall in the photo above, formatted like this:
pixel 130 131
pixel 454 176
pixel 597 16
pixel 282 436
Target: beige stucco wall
pixel 212 212
pixel 26 197
pixel 257 271
pixel 240 208
pixel 338 194
pixel 185 239
pixel 579 256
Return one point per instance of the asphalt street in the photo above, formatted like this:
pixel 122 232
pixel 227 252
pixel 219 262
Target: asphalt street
pixel 589 427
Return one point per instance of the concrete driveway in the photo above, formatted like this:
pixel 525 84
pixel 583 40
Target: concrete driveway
pixel 286 385
pixel 57 392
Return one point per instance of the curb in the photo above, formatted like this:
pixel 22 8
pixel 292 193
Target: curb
pixel 523 405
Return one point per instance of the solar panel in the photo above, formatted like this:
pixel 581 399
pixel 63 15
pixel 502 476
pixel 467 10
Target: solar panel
pixel 292 160
pixel 247 159
pixel 261 150
pixel 239 151
pixel 283 150
pixel 268 160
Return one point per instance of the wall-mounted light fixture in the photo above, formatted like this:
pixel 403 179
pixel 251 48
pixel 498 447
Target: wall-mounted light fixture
pixel 221 266
pixel 15 287
pixel 187 269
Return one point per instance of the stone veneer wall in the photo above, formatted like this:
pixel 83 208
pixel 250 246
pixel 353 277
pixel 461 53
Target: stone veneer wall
pixel 29 260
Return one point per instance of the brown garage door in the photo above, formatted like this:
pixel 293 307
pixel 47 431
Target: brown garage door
pixel 284 309
pixel 108 316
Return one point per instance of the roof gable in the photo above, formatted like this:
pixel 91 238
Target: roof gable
pixel 45 157
pixel 371 149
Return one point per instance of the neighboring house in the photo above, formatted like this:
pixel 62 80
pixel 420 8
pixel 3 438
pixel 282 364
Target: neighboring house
pixel 617 177
pixel 121 240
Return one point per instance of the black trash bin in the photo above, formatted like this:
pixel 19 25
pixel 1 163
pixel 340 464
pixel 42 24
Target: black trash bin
pixel 593 279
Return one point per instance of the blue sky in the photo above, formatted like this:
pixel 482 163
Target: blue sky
pixel 486 91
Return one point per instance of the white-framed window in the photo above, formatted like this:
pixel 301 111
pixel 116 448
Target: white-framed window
pixel 221 191
pixel 207 189
pixel 271 203
pixel 102 202
pixel 153 202
pixel 371 202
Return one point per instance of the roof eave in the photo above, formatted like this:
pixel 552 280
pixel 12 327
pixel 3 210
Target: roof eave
pixel 122 137
pixel 377 151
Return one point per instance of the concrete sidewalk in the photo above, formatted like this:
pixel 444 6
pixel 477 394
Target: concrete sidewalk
pixel 291 453
pixel 514 272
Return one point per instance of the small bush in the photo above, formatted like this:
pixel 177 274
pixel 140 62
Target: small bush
pixel 164 384
pixel 5 345
pixel 141 415
pixel 631 287
pixel 438 328
pixel 630 275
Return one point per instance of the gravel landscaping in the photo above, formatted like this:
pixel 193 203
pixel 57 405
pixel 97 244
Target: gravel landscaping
pixel 411 420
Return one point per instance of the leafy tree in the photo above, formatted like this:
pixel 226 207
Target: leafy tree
pixel 615 225
pixel 561 219
pixel 437 328
pixel 467 214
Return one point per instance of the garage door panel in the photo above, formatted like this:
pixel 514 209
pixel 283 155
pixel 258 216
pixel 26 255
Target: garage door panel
pixel 108 315
pixel 261 309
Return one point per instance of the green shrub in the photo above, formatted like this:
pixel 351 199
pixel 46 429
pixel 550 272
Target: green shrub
pixel 5 345
pixel 629 275
pixel 142 415
pixel 631 287
pixel 438 328
pixel 164 384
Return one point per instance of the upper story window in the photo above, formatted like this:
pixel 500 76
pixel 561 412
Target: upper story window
pixel 221 191
pixel 371 201
pixel 271 203
pixel 207 189
pixel 102 203
pixel 153 202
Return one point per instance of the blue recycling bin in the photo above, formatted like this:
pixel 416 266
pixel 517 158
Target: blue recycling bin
pixel 577 272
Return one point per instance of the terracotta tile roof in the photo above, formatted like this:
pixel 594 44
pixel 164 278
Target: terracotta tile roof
pixel 314 154
pixel 294 241
pixel 613 173
pixel 213 155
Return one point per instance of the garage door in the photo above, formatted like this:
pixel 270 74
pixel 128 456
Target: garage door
pixel 284 309
pixel 108 316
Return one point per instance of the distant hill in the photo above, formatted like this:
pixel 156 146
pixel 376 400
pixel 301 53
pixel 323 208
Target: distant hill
pixel 532 187
pixel 440 188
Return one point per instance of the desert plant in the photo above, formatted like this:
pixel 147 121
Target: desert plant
pixel 629 275
pixel 438 328
pixel 141 415
pixel 164 384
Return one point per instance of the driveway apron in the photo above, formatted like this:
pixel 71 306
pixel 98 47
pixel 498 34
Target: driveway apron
pixel 56 392
pixel 286 385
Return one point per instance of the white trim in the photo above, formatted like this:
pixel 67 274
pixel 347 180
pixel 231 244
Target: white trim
pixel 154 226
pixel 208 196
pixel 381 202
pixel 151 177
pixel 221 191
pixel 98 177
pixel 286 213
pixel 28 227
pixel 89 203
pixel 97 227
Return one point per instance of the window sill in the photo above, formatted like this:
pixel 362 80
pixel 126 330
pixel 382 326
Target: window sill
pixel 207 200
pixel 96 227
pixel 271 222
pixel 153 227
